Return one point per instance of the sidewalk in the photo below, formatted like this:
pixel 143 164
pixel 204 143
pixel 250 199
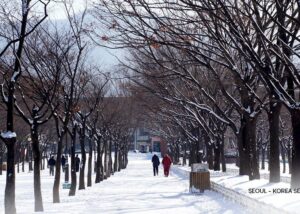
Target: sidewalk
pixel 133 190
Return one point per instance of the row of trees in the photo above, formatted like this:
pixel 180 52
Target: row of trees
pixel 50 85
pixel 215 66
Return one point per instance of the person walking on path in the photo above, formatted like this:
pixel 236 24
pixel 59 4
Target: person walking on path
pixel 63 163
pixel 77 162
pixel 155 162
pixel 51 163
pixel 167 161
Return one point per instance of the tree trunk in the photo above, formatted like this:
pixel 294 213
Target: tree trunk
pixel 38 206
pixel 10 206
pixel 222 155
pixel 184 155
pixel 105 167
pixel 263 155
pixel 56 197
pixel 18 158
pixel 274 162
pixel 243 157
pixel 1 157
pixel 282 152
pixel 98 162
pixel 72 191
pixel 116 157
pixel 120 159
pixel 289 155
pixel 126 156
pixel 295 177
pixel 83 157
pixel 251 148
pixel 101 165
pixel 89 175
pixel 110 166
pixel 210 157
pixel 217 153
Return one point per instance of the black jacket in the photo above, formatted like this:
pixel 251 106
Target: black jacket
pixel 51 162
pixel 155 160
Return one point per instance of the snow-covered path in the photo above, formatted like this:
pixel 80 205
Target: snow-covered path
pixel 133 190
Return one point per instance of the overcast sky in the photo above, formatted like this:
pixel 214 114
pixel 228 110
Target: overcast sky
pixel 106 58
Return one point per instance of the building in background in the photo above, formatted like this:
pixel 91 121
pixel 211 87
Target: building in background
pixel 144 141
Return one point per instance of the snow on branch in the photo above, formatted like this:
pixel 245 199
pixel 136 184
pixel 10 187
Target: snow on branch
pixel 8 135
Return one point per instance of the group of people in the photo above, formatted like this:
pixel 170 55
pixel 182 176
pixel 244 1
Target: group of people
pixel 166 161
pixel 64 161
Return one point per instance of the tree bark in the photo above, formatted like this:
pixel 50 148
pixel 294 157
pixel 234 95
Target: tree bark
pixel 56 197
pixel 38 200
pixel 210 158
pixel 72 191
pixel 274 162
pixel 295 177
pixel 110 166
pixel 83 157
pixel 116 157
pixel 283 157
pixel 98 162
pixel 217 154
pixel 243 158
pixel 89 175
pixel 10 206
pixel 105 167
pixel 251 148
pixel 1 157
pixel 223 161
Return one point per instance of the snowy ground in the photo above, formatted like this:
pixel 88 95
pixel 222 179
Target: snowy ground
pixel 133 190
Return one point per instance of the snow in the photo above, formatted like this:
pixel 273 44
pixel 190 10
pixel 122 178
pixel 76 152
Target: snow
pixel 278 195
pixel 133 190
pixel 8 134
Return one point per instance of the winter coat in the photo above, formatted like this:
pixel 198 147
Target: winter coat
pixel 167 161
pixel 63 161
pixel 51 162
pixel 155 160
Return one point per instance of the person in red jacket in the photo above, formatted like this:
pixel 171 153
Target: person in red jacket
pixel 167 161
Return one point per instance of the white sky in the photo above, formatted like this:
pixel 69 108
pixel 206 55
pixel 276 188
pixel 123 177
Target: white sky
pixel 106 58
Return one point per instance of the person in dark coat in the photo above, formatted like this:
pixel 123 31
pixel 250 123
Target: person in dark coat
pixel 63 163
pixel 77 162
pixel 167 161
pixel 51 163
pixel 155 162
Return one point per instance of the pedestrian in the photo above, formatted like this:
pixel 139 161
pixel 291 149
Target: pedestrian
pixel 51 163
pixel 167 161
pixel 63 163
pixel 155 162
pixel 77 162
